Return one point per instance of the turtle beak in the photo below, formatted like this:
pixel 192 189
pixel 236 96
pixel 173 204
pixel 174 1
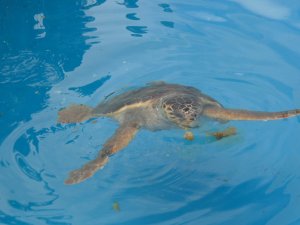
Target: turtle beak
pixel 194 124
pixel 189 123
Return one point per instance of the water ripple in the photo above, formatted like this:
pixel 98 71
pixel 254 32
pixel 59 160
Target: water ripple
pixel 244 58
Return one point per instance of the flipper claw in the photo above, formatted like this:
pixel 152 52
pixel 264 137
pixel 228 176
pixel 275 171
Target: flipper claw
pixel 88 170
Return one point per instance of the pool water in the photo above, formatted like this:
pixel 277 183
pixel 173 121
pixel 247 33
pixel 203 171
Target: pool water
pixel 245 54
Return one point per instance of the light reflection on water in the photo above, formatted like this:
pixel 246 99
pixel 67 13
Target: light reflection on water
pixel 243 53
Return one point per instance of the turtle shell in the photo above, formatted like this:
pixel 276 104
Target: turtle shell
pixel 146 95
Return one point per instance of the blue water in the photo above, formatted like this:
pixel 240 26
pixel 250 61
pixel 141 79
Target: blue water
pixel 245 54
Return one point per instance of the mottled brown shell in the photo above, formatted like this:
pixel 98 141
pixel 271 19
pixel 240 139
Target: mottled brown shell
pixel 145 96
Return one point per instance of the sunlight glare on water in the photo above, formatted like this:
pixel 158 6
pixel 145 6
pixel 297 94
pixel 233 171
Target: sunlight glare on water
pixel 245 54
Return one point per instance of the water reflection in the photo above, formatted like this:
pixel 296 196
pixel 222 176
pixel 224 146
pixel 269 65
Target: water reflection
pixel 34 180
pixel 7 219
pixel 249 196
pixel 266 8
pixel 39 18
pixel 167 24
pixel 87 4
pixel 89 89
pixel 26 168
pixel 137 31
pixel 140 30
pixel 166 7
pixel 130 3
pixel 38 43
pixel 132 16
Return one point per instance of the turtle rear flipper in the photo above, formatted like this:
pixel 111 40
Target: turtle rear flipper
pixel 118 141
pixel 234 114
pixel 75 114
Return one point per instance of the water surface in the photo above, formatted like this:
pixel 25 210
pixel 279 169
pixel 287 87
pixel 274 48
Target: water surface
pixel 245 54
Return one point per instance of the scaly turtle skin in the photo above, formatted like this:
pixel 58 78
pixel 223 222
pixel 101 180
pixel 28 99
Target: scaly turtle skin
pixel 156 106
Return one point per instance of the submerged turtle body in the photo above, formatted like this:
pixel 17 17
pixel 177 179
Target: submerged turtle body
pixel 153 92
pixel 156 106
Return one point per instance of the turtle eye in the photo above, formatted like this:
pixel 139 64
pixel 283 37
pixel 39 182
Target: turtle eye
pixel 186 109
pixel 193 117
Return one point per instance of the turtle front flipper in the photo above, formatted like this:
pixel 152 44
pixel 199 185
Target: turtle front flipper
pixel 235 114
pixel 75 114
pixel 118 141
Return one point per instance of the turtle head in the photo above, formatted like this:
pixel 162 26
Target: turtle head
pixel 183 110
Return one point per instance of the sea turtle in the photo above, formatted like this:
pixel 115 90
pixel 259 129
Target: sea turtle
pixel 156 106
